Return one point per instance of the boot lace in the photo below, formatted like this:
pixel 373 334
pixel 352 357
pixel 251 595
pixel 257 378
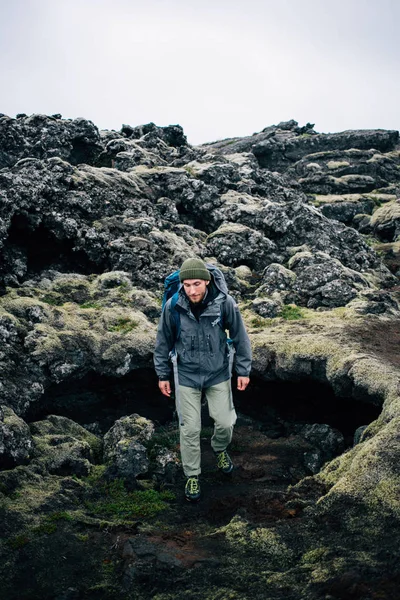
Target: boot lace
pixel 223 460
pixel 192 485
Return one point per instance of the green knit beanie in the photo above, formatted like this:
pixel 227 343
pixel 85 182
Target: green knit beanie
pixel 194 268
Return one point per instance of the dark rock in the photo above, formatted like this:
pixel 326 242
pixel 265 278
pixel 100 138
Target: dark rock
pixel 235 244
pixel 167 465
pixel 266 307
pixel 124 451
pixel 347 184
pixel 15 439
pixel 39 136
pixel 346 211
pixel 276 278
pixel 69 594
pixel 277 148
pixel 352 170
pixel 63 447
pixel 358 434
pixel 385 222
pixel 323 281
pixel 328 442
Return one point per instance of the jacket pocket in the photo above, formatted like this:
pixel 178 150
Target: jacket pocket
pixel 187 349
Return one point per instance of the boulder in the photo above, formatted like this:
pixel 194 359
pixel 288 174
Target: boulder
pixel 344 207
pixel 234 244
pixel 124 449
pixel 40 136
pixel 16 442
pixel 167 465
pixel 64 447
pixel 266 307
pixel 385 222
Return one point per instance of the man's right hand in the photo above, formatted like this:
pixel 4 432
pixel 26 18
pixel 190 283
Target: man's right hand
pixel 165 387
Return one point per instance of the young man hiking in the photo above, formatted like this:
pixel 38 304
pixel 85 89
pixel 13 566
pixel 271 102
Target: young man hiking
pixel 192 328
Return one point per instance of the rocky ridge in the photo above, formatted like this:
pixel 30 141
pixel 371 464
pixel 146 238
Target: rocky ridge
pixel 305 227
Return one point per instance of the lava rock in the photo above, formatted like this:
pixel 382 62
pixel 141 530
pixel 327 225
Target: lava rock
pixel 63 447
pixel 266 307
pixel 124 449
pixel 385 222
pixel 358 434
pixel 15 439
pixel 235 244
pixel 329 443
pixel 167 465
pixel 344 207
pixel 39 136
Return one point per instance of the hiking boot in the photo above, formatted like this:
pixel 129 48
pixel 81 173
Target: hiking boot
pixel 192 489
pixel 224 462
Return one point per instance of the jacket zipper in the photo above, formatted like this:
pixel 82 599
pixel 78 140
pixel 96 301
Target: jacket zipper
pixel 209 344
pixel 192 345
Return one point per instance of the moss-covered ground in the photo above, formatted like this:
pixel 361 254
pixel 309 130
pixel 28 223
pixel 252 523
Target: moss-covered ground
pixel 270 531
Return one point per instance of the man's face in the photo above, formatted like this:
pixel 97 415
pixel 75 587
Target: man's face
pixel 195 289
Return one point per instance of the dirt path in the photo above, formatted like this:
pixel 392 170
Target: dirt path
pixel 264 468
pixel 188 536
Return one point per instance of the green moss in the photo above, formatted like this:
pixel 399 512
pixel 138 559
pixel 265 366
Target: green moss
pixel 18 541
pixel 385 495
pixel 45 528
pixel 53 299
pixel 60 516
pixel 260 321
pixel 191 171
pixel 95 305
pixel 164 437
pixel 119 503
pixel 96 475
pixel 314 556
pixel 243 536
pixel 124 325
pixel 291 312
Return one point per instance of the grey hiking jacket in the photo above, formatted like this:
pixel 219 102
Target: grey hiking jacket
pixel 202 351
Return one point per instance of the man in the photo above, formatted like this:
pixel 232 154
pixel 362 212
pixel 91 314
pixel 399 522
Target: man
pixel 205 310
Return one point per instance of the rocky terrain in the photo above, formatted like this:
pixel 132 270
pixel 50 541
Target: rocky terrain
pixel 306 228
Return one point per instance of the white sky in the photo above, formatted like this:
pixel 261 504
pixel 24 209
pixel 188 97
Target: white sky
pixel 219 68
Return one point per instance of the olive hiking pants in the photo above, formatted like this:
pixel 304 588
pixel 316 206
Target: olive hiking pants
pixel 221 409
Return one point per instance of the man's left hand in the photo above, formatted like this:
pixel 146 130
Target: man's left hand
pixel 242 383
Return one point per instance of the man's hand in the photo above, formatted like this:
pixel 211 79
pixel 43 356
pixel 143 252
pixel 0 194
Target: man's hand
pixel 242 383
pixel 165 387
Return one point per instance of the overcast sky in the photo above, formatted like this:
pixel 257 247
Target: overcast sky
pixel 219 68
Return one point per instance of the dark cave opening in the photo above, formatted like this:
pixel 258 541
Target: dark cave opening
pixel 98 401
pixel 281 405
pixel 45 251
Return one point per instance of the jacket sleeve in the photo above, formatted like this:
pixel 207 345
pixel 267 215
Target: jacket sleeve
pixel 238 334
pixel 164 343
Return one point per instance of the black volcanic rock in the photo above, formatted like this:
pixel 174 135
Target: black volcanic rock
pixel 90 224
pixel 278 148
pixel 39 136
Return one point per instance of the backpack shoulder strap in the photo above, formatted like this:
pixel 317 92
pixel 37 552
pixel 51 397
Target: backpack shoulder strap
pixel 175 315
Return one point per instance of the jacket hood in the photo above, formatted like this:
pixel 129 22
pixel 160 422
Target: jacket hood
pixel 218 278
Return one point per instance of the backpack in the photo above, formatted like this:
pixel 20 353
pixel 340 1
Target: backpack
pixel 172 285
